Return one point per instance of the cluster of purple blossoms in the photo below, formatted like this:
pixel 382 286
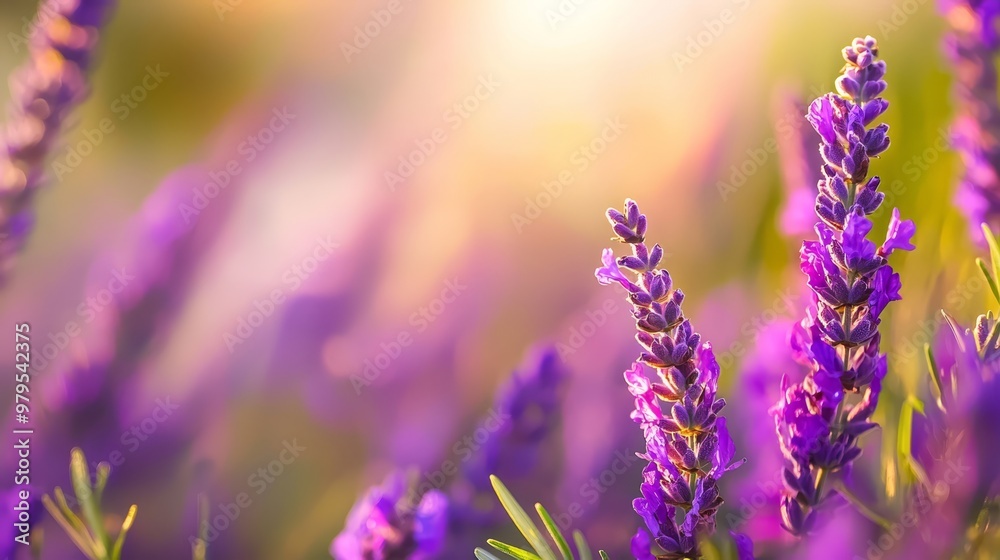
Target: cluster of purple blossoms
pixel 851 285
pixel 972 46
pixel 387 523
pixel 687 444
pixel 43 92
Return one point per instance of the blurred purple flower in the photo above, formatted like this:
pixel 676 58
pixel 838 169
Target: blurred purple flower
pixel 687 443
pixel 528 407
pixel 43 93
pixel 523 416
pixel 954 440
pixel 760 484
pixel 972 46
pixel 852 283
pixel 389 523
pixel 799 168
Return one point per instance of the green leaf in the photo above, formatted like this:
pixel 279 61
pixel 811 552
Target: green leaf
pixel 80 476
pixel 582 548
pixel 989 279
pixel 512 551
pixel 522 521
pixel 80 539
pixel 116 552
pixel 994 249
pixel 553 529
pixel 77 524
pixel 103 471
pixel 604 556
pixel 483 554
pixel 932 367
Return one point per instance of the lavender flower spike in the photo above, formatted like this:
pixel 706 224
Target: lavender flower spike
pixel 43 92
pixel 385 525
pixel 851 284
pixel 972 46
pixel 687 444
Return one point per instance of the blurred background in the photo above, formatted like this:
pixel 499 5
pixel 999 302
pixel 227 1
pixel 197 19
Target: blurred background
pixel 338 227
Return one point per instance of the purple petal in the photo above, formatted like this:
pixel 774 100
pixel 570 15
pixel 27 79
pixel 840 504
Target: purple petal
pixel 609 272
pixel 641 545
pixel 744 546
pixel 899 234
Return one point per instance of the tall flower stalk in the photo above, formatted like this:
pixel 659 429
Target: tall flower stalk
pixel 972 45
pixel 687 444
pixel 851 285
pixel 43 92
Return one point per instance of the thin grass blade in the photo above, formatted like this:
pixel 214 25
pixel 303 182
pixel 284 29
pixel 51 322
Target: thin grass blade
pixel 554 531
pixel 582 548
pixel 522 521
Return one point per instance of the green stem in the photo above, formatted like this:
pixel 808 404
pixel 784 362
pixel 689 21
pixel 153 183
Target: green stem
pixel 862 508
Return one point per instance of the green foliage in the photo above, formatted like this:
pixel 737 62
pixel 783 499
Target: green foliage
pixel 88 534
pixel 540 547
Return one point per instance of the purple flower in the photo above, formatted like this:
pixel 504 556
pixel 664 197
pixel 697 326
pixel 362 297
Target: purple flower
pixel 389 523
pixel 817 425
pixel 954 439
pixel 687 443
pixel 972 46
pixel 799 169
pixel 525 413
pixel 641 544
pixel 744 546
pixel 610 272
pixel 899 234
pixel 43 92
